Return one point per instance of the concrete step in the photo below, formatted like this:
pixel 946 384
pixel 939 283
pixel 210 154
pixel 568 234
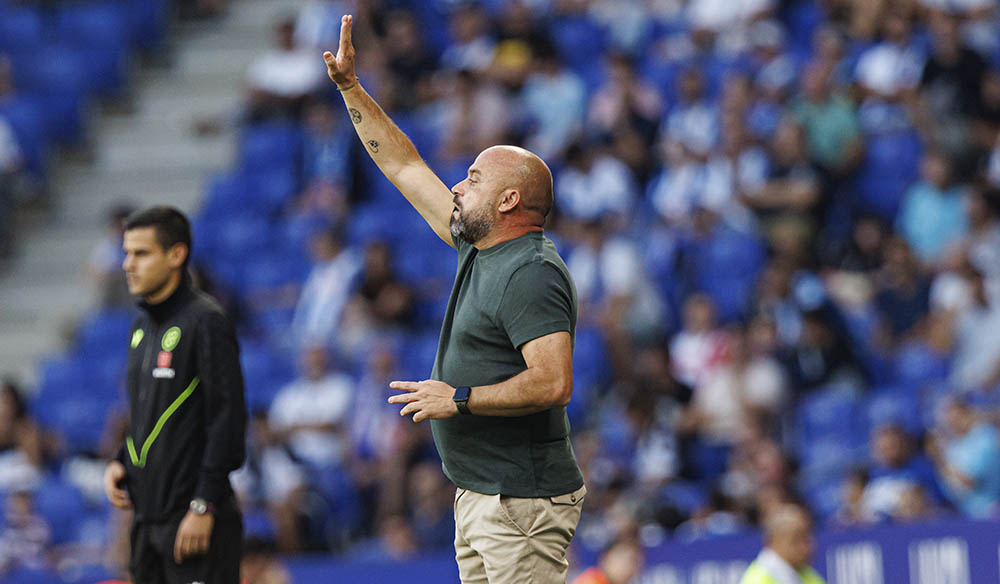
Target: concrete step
pixel 183 191
pixel 146 156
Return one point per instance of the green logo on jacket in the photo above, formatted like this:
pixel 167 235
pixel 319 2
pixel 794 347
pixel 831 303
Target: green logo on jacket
pixel 171 338
pixel 137 337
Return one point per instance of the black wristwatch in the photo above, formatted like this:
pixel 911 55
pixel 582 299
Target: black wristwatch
pixel 462 399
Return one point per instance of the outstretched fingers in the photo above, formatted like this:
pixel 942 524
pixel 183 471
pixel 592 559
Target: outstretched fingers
pixel 405 385
pixel 403 398
pixel 346 47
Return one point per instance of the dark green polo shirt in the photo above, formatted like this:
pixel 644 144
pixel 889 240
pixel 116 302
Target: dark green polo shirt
pixel 503 297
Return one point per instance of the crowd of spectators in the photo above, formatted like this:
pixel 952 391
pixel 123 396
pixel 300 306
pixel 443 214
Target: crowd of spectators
pixel 783 219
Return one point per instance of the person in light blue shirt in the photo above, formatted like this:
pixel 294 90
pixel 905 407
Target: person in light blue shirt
pixel 555 100
pixel 932 217
pixel 968 461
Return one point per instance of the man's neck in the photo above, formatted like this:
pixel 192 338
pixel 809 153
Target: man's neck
pixel 166 291
pixel 498 236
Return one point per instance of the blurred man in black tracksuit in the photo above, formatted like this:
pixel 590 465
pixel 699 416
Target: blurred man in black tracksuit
pixel 187 420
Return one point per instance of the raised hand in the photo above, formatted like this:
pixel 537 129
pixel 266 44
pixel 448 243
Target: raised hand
pixel 341 68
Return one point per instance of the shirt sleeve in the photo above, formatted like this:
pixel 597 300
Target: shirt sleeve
pixel 537 301
pixel 218 363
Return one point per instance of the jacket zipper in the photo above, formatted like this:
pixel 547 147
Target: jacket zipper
pixel 144 382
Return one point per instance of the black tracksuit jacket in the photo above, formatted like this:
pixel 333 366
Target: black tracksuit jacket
pixel 187 412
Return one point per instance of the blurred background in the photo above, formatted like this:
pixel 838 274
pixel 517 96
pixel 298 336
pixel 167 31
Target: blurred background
pixel 783 218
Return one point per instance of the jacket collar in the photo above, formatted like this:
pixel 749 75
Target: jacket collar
pixel 163 310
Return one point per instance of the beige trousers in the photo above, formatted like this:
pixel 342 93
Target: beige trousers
pixel 512 540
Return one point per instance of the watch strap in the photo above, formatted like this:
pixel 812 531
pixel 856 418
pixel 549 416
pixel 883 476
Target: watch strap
pixel 462 399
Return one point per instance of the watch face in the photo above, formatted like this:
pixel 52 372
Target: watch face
pixel 462 393
pixel 198 507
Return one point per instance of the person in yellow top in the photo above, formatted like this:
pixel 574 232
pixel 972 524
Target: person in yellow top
pixel 788 547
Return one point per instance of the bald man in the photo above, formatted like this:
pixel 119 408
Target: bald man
pixel 504 368
pixel 788 547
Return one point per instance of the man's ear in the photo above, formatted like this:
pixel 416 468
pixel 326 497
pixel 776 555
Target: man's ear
pixel 509 200
pixel 176 255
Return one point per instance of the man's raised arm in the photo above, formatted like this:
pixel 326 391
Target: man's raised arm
pixel 388 146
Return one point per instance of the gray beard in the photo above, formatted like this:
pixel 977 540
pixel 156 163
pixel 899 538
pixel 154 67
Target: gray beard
pixel 471 228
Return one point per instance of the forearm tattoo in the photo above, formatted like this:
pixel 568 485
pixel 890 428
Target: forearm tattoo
pixel 355 115
pixel 373 144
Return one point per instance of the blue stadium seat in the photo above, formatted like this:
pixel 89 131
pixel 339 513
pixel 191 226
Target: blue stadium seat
pixel 21 28
pixel 801 20
pixel 78 418
pixel 28 121
pixel 22 575
pixel 257 524
pixel 369 223
pixel 824 498
pixel 660 73
pixel 916 366
pixel 243 235
pixel 890 166
pixel 205 234
pixel 63 506
pixel 75 394
pixel 104 333
pixel 830 412
pixel 270 190
pixel 261 192
pixel 268 271
pixel 270 146
pixel 423 257
pixel 896 405
pixel 94 24
pixel 148 22
pixel 227 194
pixel 580 41
pixel 59 374
pixel 828 458
pixel 725 266
pixel 56 78
pixel 417 359
pixel 101 31
pixel 274 324
pixel 64 120
pixel 682 495
pixel 264 373
pixel 295 231
pixel 591 372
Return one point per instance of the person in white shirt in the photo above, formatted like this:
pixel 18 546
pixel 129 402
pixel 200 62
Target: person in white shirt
pixel 310 413
pixel 281 79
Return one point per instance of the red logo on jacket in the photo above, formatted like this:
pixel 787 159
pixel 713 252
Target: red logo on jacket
pixel 163 360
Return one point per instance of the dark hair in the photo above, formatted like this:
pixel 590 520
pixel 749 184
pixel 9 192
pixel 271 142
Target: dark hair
pixel 17 399
pixel 171 226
